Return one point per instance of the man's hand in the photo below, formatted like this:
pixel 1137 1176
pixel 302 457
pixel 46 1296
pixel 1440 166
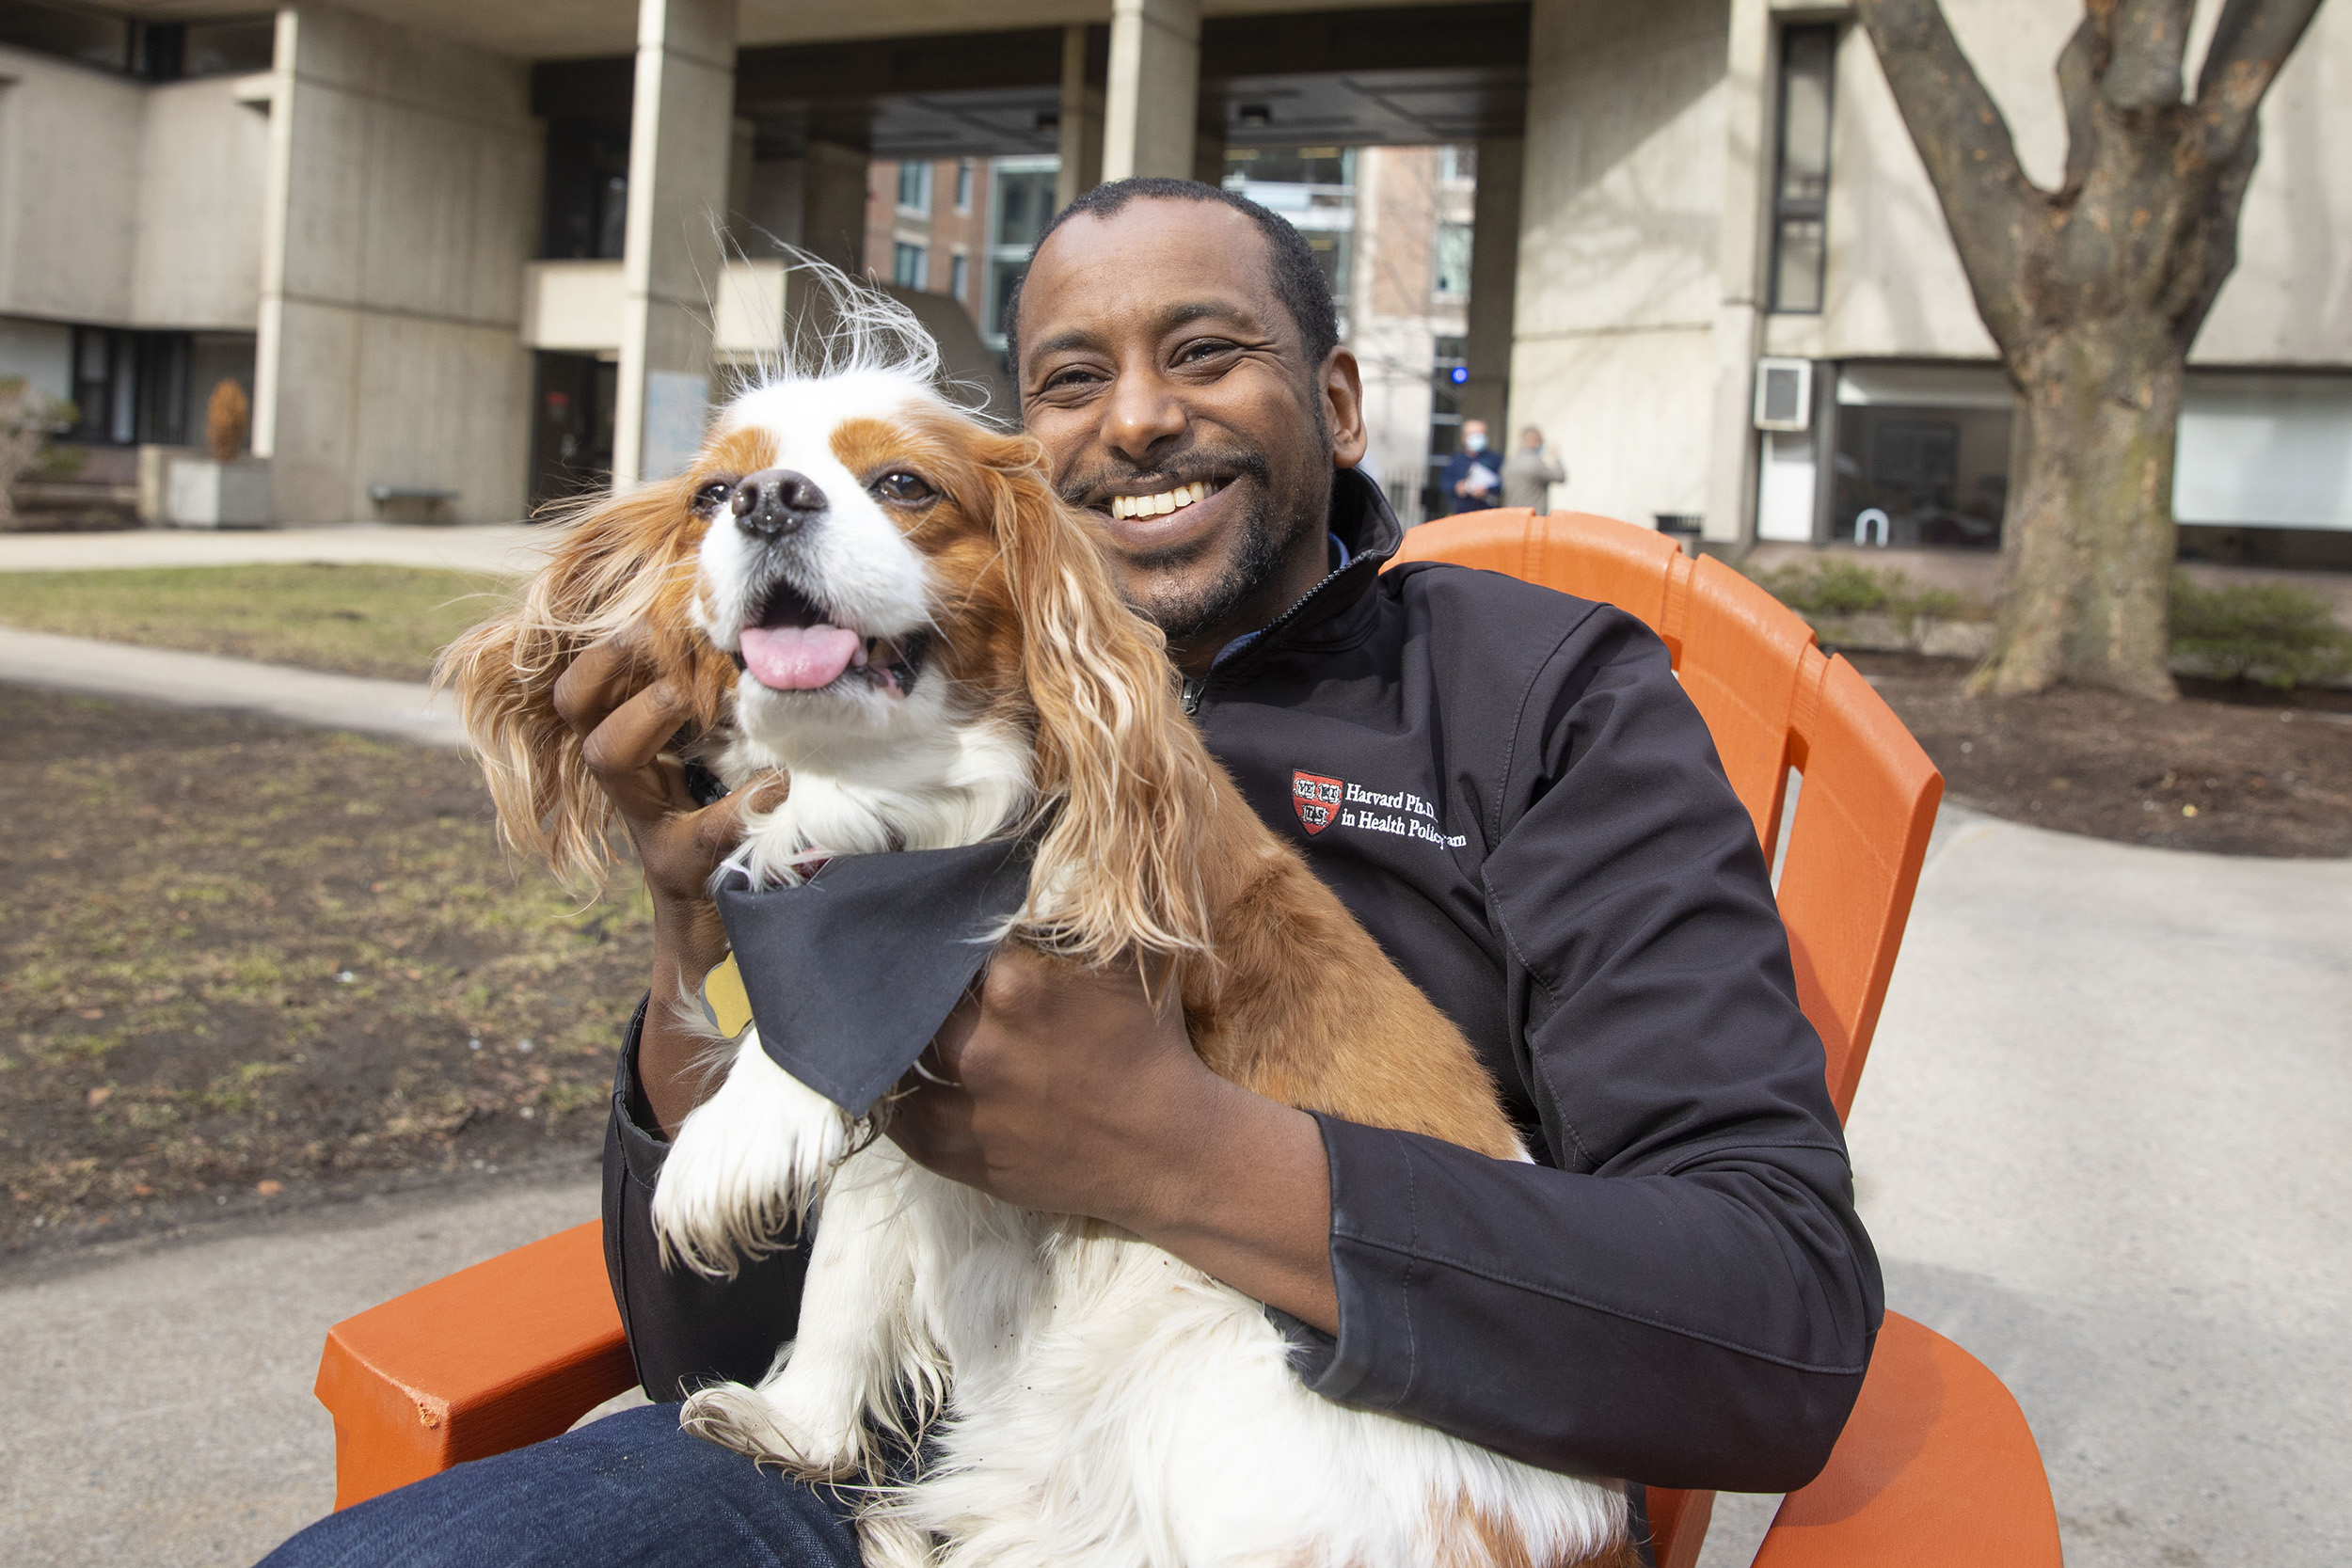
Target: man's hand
pixel 1072 1091
pixel 626 725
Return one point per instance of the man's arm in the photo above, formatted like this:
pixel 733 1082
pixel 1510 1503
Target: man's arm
pixel 1688 1301
pixel 683 1330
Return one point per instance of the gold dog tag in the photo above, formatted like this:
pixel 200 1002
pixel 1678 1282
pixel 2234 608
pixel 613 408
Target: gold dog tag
pixel 725 1001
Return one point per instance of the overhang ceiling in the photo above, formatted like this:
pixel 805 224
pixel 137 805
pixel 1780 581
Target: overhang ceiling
pixel 1406 75
pixel 579 29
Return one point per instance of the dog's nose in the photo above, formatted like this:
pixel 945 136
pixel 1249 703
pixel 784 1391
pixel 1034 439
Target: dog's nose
pixel 776 502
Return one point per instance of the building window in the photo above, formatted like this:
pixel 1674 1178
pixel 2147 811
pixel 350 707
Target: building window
pixel 129 387
pixel 960 278
pixel 915 187
pixel 1808 56
pixel 1020 203
pixel 1454 261
pixel 907 264
pixel 964 186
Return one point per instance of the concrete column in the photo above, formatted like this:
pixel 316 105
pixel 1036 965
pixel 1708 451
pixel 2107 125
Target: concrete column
pixel 1749 146
pixel 1619 263
pixel 833 204
pixel 401 206
pixel 1081 121
pixel 1153 103
pixel 681 133
pixel 1494 284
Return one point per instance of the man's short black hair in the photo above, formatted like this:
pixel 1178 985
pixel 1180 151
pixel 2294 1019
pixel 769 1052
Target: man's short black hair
pixel 1297 276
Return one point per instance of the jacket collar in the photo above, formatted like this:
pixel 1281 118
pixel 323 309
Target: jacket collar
pixel 1332 612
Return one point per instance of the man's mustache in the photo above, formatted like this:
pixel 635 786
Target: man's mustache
pixel 1201 463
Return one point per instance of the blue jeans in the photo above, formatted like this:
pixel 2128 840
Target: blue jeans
pixel 631 1491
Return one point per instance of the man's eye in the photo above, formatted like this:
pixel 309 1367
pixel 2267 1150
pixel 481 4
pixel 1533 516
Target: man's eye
pixel 899 486
pixel 713 496
pixel 1205 349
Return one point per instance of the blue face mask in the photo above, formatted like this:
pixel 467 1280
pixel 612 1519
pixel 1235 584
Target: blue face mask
pixel 1476 441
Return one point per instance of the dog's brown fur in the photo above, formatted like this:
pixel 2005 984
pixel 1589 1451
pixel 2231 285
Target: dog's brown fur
pixel 1151 854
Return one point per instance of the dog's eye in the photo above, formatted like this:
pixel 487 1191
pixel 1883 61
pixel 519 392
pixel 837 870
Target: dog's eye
pixel 904 487
pixel 713 496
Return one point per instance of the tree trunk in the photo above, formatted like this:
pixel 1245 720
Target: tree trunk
pixel 2089 540
pixel 2093 292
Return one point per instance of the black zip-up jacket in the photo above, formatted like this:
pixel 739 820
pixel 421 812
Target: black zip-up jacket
pixel 1528 815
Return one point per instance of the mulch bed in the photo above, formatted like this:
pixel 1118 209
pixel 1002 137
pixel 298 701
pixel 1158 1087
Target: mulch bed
pixel 2229 768
pixel 249 966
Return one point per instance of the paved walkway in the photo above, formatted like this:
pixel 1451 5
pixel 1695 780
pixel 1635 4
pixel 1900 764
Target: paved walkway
pixel 2100 1144
pixel 404 709
pixel 509 549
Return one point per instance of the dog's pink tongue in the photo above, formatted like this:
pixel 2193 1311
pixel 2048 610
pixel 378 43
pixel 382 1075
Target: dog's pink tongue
pixel 797 658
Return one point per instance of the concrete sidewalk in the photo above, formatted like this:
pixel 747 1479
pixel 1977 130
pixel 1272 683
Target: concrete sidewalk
pixel 404 710
pixel 159 1408
pixel 2100 1144
pixel 507 549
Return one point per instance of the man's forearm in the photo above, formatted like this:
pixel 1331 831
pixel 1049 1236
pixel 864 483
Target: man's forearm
pixel 689 943
pixel 1244 1194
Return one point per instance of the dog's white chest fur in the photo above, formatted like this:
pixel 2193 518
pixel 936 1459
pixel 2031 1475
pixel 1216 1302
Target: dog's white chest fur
pixel 1097 1401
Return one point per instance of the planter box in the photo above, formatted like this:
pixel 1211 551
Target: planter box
pixel 201 493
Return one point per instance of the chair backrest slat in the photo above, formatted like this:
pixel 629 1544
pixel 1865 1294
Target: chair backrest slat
pixel 1772 701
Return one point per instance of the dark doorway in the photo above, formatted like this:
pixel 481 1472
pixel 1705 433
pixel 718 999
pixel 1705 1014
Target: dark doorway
pixel 571 428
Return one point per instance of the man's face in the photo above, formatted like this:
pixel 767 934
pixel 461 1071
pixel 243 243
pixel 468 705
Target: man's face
pixel 1172 391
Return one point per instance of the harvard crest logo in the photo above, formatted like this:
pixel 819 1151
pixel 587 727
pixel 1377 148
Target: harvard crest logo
pixel 1316 799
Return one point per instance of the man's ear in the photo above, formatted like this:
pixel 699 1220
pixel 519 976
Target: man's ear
pixel 1342 392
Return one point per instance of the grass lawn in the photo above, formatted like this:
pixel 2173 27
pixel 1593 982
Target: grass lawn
pixel 353 620
pixel 244 964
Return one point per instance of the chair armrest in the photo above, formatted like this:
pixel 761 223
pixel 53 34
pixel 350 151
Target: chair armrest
pixel 1936 1469
pixel 490 1358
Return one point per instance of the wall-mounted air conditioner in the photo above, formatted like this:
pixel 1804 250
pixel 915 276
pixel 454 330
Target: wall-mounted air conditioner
pixel 1783 394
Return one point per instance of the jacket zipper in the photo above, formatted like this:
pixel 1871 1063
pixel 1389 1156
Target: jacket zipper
pixel 1196 684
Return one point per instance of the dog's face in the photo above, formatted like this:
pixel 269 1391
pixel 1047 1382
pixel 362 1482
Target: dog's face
pixel 913 612
pixel 855 561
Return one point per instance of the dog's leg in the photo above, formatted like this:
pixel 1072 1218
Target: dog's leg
pixel 856 1353
pixel 746 1164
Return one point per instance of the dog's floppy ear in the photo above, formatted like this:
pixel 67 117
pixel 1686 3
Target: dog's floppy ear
pixel 1116 758
pixel 625 562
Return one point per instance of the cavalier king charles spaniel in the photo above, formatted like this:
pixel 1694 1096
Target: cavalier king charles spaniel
pixel 932 652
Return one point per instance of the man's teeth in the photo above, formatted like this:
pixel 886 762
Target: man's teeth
pixel 1161 504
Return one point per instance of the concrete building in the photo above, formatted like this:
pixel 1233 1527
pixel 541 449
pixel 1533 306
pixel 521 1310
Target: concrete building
pixel 467 257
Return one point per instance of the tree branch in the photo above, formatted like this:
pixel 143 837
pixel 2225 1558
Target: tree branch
pixel 2079 67
pixel 2250 42
pixel 1965 142
pixel 2150 39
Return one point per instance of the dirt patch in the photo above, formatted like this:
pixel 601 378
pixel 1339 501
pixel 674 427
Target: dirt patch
pixel 349 620
pixel 2231 769
pixel 247 965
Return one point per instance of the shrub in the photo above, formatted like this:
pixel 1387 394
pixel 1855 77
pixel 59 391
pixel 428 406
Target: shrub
pixel 2270 632
pixel 1832 589
pixel 28 420
pixel 227 420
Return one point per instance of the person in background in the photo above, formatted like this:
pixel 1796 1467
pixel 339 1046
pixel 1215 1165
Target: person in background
pixel 1474 476
pixel 1529 473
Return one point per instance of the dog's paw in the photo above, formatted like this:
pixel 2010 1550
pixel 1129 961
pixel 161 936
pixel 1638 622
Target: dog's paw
pixel 746 1167
pixel 750 1423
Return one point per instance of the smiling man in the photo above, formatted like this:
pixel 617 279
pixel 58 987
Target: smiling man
pixel 1504 785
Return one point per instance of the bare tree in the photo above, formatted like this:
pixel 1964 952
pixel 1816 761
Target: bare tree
pixel 2093 292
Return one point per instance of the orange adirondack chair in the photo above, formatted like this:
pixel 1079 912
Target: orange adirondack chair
pixel 1936 1466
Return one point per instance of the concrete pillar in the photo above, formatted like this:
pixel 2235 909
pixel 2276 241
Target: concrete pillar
pixel 833 204
pixel 402 203
pixel 1152 105
pixel 1208 157
pixel 1619 263
pixel 681 132
pixel 1081 121
pixel 1748 149
pixel 1494 283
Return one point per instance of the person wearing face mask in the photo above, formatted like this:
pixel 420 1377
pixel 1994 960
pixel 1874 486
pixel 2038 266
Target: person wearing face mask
pixel 1474 476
